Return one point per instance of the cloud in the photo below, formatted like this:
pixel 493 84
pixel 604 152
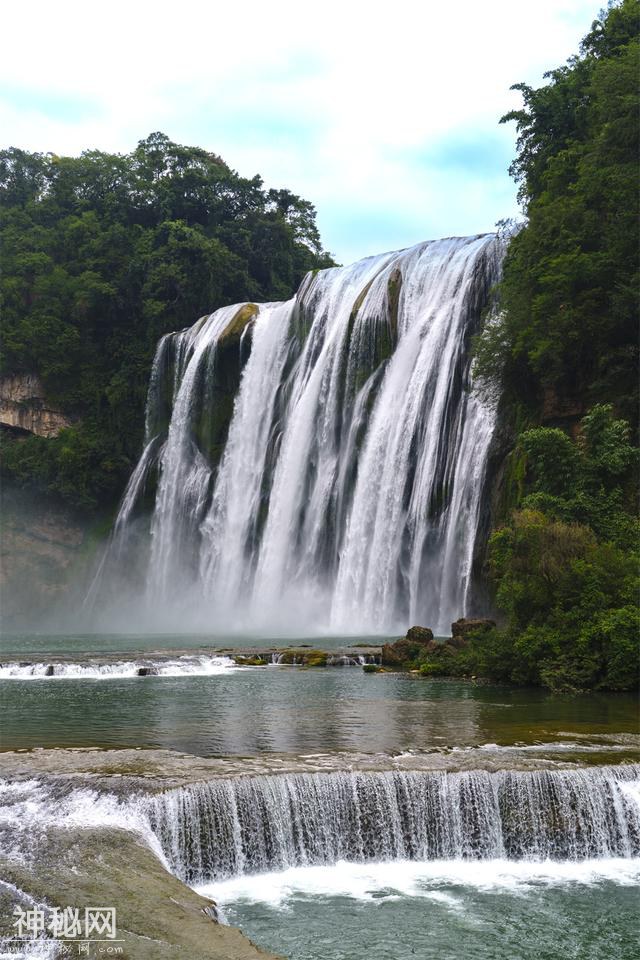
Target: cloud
pixel 385 117
pixel 37 103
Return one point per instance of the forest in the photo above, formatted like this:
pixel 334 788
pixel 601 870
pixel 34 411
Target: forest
pixel 102 255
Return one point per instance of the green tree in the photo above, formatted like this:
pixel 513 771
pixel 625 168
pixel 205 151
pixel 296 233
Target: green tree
pixel 102 255
pixel 569 294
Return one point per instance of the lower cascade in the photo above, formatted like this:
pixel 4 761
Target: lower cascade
pixel 318 464
pixel 222 828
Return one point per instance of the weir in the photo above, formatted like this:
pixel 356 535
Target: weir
pixel 318 464
pixel 222 828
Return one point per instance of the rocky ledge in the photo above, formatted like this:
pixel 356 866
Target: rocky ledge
pixel 157 916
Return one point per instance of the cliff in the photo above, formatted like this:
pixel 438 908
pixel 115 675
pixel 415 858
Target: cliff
pixel 23 406
pixel 45 548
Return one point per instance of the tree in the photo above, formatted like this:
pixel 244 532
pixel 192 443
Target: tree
pixel 569 294
pixel 102 255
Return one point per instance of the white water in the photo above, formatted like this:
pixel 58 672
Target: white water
pixel 200 666
pixel 223 828
pixel 429 880
pixel 349 493
pixel 367 837
pixel 483 827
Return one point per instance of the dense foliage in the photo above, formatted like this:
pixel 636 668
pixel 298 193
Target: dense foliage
pixel 566 566
pixel 102 254
pixel 570 289
pixel 565 563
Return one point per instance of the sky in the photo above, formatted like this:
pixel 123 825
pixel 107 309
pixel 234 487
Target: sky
pixel 384 115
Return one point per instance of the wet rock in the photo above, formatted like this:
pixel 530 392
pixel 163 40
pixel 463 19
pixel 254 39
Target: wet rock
pixel 157 916
pixel 49 671
pixel 147 672
pixel 420 634
pixel 252 661
pixel 316 658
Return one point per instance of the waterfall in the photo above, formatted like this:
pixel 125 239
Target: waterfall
pixel 222 828
pixel 318 465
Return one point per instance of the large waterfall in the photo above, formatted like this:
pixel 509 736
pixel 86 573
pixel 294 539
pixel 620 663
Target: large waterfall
pixel 317 464
pixel 227 827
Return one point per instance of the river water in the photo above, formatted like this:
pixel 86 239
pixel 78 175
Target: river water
pixel 486 905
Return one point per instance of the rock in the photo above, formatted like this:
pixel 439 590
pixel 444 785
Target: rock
pixel 462 628
pixel 402 651
pixel 23 406
pixel 147 672
pixel 157 916
pixel 316 658
pixel 252 661
pixel 417 641
pixel 398 653
pixel 49 671
pixel 420 634
pixel 559 408
pixel 238 324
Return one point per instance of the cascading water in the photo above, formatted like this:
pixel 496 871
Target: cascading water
pixel 367 857
pixel 185 666
pixel 321 462
pixel 226 827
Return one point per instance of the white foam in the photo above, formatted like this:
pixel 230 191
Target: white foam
pixel 549 747
pixel 438 880
pixel 200 666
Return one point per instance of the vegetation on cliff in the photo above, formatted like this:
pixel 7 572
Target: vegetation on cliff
pixel 565 567
pixel 570 289
pixel 565 562
pixel 102 255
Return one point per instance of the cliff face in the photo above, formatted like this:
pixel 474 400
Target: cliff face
pixel 44 552
pixel 23 406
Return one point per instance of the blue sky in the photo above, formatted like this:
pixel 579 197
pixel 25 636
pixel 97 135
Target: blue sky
pixel 385 116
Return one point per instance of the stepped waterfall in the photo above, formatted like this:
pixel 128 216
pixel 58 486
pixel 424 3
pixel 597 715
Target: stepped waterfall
pixel 222 828
pixel 318 464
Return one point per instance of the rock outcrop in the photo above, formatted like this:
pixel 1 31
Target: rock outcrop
pixel 418 640
pixel 463 628
pixel 23 406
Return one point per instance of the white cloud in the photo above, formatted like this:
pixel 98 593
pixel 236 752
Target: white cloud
pixel 342 102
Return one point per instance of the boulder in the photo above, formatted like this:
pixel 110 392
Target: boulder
pixel 417 641
pixel 49 670
pixel 420 634
pixel 147 672
pixel 395 654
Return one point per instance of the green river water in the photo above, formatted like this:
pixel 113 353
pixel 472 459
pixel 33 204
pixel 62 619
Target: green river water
pixel 489 910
